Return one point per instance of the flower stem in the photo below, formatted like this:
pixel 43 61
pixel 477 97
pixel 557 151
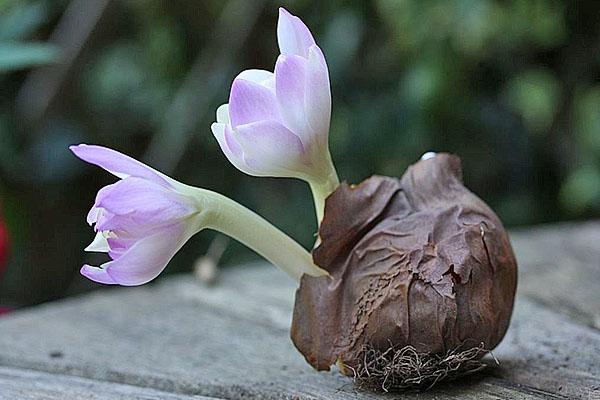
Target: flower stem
pixel 226 216
pixel 322 189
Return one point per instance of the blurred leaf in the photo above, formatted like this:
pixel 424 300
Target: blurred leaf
pixel 15 56
pixel 534 95
pixel 422 83
pixel 162 43
pixel 340 53
pixel 586 110
pixel 476 25
pixel 115 74
pixel 539 21
pixel 49 154
pixel 22 20
pixel 9 158
pixel 121 84
pixel 581 190
pixel 516 208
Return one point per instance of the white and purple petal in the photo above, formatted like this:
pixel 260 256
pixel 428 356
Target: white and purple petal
pixel 230 147
pixel 293 36
pixel 290 88
pixel 251 102
pixel 259 76
pixel 98 274
pixel 276 124
pixel 270 149
pixel 141 198
pixel 318 95
pixel 117 163
pixel 223 114
pixel 143 261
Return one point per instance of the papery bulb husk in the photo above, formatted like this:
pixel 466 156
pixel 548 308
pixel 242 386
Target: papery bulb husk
pixel 419 261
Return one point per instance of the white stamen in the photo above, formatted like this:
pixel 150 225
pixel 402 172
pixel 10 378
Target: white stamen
pixel 99 244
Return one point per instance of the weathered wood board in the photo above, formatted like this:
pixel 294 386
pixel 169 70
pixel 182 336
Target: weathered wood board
pixel 560 268
pixel 178 338
pixel 25 384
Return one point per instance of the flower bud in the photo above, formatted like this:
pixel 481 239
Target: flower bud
pixel 277 124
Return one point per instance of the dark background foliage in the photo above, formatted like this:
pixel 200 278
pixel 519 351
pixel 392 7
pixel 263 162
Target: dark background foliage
pixel 513 87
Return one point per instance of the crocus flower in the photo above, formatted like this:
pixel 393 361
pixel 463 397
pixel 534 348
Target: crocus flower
pixel 277 124
pixel 142 220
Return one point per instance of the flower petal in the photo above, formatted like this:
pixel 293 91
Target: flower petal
pixel 318 95
pixel 93 215
pixel 230 146
pixel 117 163
pixel 293 35
pixel 147 258
pixel 99 244
pixel 135 203
pixel 223 114
pixel 256 75
pixel 270 149
pixel 290 87
pixel 121 243
pixel 97 274
pixel 251 102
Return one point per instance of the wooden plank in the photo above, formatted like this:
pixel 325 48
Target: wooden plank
pixel 559 267
pixel 30 385
pixel 232 341
pixel 547 351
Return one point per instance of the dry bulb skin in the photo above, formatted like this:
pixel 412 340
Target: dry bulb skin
pixel 419 263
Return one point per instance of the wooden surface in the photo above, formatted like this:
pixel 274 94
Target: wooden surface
pixel 180 340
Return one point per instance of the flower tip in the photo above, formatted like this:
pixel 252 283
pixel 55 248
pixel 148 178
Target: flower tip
pixel 97 274
pixel 80 150
pixel 75 147
pixel 428 155
pixel 218 130
pixel 293 35
pixel 223 113
pixel 287 17
pixel 284 13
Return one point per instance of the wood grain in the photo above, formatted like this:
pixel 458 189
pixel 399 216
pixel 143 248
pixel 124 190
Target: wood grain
pixel 28 385
pixel 559 267
pixel 231 341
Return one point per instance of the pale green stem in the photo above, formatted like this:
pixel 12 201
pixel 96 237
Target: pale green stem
pixel 225 215
pixel 321 189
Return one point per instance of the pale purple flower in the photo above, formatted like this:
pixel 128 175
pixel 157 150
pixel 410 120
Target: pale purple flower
pixel 277 124
pixel 141 221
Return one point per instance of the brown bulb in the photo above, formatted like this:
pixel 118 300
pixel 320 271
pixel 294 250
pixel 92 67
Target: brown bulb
pixel 419 261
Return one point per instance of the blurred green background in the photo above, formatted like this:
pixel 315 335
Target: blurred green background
pixel 513 87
